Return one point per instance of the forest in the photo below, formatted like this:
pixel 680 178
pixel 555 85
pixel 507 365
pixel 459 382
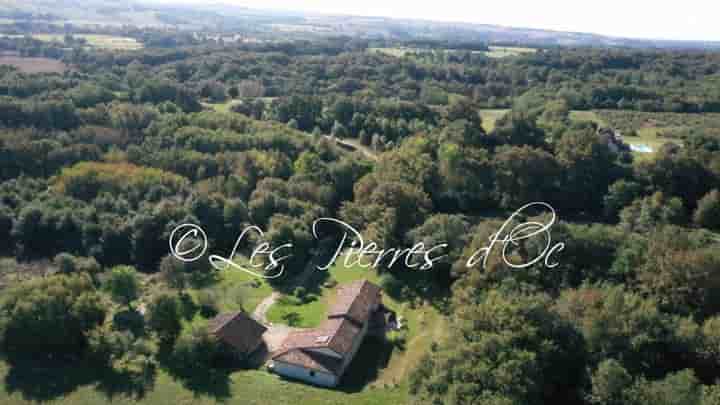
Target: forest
pixel 99 163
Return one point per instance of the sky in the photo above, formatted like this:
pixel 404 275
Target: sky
pixel 656 19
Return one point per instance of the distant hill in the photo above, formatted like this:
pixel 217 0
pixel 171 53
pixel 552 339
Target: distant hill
pixel 231 19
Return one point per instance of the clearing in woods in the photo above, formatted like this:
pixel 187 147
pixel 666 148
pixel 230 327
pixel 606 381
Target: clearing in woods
pixel 33 65
pixel 111 42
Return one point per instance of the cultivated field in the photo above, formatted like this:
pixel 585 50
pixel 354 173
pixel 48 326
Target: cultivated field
pixel 494 52
pixel 33 65
pixel 504 51
pixel 94 40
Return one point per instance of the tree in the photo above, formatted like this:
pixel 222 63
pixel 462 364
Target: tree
pixel 309 165
pixel 464 109
pixel 123 284
pixel 365 138
pixel 6 225
pixel 588 167
pixel 196 348
pixel 339 130
pixel 620 194
pixel 647 213
pixel 164 316
pixel 524 175
pixel 50 315
pixel 518 128
pixel 679 388
pixel 707 213
pixel 609 383
pixel 677 174
pixel 505 337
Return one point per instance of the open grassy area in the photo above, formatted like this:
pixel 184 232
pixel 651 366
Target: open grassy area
pixel 490 116
pixel 112 42
pixel 651 129
pixel 494 52
pixel 308 313
pixel 237 287
pixel 72 386
pixel 33 65
pixel 505 51
pixel 221 107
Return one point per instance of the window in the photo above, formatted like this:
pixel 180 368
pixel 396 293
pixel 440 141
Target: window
pixel 312 373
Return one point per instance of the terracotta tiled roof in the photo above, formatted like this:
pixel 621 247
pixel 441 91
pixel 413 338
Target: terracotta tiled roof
pixel 238 330
pixel 355 301
pixel 336 334
pixel 312 361
pixel 351 309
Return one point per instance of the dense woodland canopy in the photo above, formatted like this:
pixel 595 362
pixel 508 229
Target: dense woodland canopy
pixel 100 163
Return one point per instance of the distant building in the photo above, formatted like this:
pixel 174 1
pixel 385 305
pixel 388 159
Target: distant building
pixel 613 139
pixel 320 356
pixel 239 331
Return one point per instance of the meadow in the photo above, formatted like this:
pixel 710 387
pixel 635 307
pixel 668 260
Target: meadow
pixel 100 41
pixel 494 52
pixel 33 65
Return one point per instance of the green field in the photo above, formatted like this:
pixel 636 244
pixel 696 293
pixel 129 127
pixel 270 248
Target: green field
pixel 250 387
pixel 505 51
pixel 494 52
pixel 490 116
pixel 237 288
pixel 96 41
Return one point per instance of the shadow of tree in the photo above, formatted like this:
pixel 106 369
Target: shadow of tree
pixel 46 379
pixel 114 384
pixel 202 381
pixel 372 356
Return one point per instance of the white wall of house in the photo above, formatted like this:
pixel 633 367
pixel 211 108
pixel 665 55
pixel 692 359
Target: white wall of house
pixel 304 374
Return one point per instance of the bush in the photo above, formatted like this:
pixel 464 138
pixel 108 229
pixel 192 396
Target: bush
pixel 123 284
pixel 207 302
pixel 164 316
pixel 50 315
pixel 196 349
pixel 300 293
pixel 707 213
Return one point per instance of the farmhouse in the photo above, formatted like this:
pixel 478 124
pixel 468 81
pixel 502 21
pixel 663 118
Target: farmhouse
pixel 320 356
pixel 239 331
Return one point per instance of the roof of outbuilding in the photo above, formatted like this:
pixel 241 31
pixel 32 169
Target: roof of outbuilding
pixel 238 330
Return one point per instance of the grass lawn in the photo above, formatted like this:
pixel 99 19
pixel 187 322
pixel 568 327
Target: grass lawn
pixel 95 40
pixel 494 52
pixel 591 116
pixel 236 287
pixel 504 51
pixel 302 314
pixel 221 107
pixel 490 116
pixel 248 387
pixel 98 41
